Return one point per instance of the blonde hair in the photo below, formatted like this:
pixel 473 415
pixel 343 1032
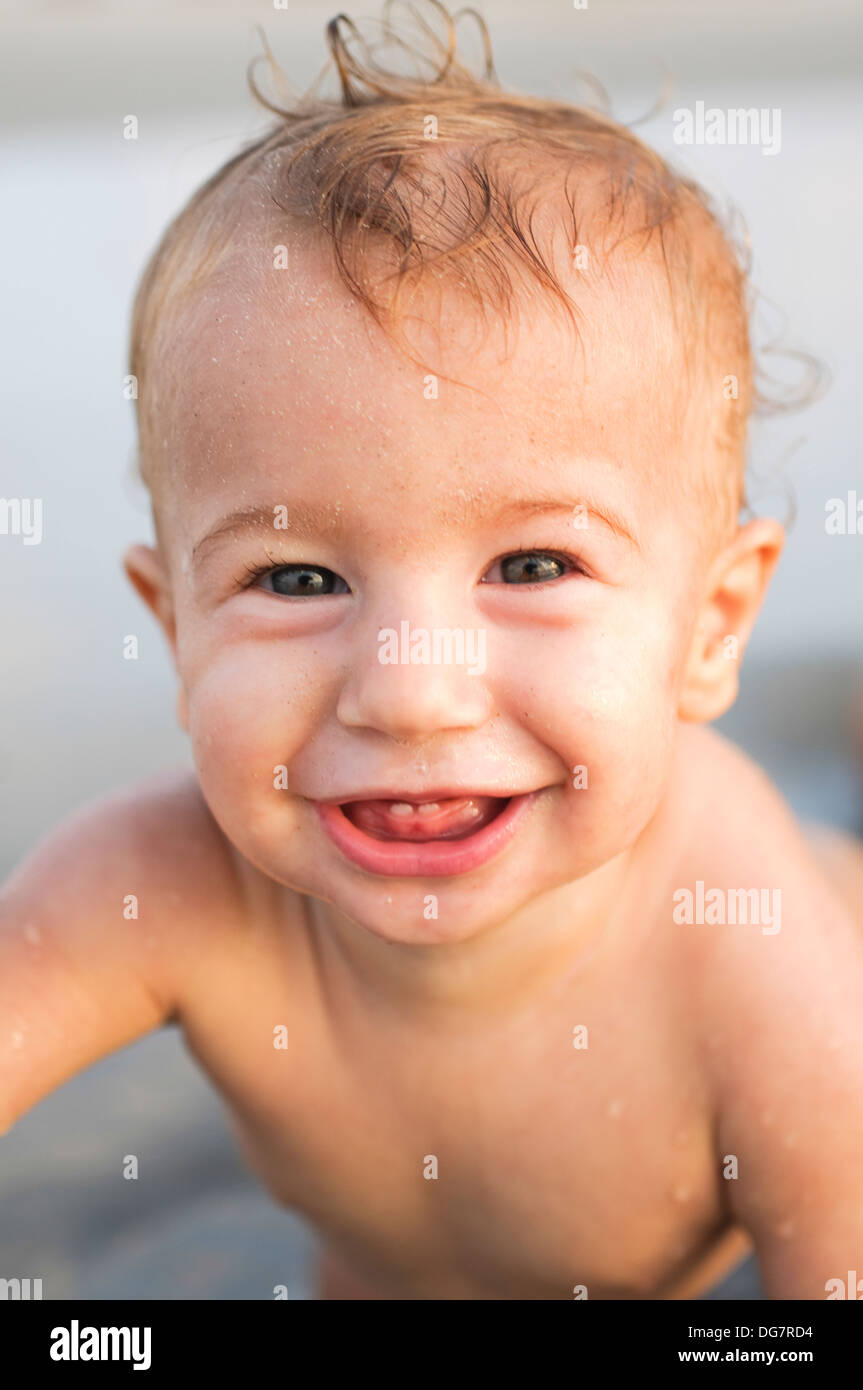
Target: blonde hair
pixel 361 171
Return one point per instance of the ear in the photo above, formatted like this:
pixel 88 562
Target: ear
pixel 146 571
pixel 737 584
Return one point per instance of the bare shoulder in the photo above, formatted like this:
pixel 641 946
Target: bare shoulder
pixel 148 857
pixel 738 823
pixel 762 890
pixel 768 943
pixel 98 927
pixel 166 828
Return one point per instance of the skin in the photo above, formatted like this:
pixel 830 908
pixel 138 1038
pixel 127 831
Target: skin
pixel 453 1036
pixel 635 642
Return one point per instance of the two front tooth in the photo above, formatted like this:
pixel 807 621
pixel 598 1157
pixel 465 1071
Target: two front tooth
pixel 404 808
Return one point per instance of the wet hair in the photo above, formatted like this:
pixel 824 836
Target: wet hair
pixel 442 174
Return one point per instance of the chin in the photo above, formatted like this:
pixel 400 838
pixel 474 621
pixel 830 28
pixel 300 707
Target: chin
pixel 421 913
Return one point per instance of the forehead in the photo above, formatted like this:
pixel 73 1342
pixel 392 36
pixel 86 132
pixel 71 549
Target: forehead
pixel 282 379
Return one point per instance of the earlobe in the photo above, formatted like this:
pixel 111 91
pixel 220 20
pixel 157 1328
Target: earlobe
pixel 712 679
pixel 145 570
pixel 736 591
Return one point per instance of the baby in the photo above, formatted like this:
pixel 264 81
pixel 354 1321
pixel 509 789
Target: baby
pixel 518 981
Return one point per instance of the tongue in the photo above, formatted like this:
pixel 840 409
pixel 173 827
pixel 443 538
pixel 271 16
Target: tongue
pixel 452 820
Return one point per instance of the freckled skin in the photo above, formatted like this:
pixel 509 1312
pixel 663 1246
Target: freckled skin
pixel 581 673
pixel 452 1035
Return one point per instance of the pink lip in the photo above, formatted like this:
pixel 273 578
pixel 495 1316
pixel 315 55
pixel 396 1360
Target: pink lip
pixel 413 859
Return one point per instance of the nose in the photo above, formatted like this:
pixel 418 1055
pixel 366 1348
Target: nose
pixel 413 682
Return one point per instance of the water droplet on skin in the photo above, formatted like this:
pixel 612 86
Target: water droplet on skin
pixel 681 1193
pixel 32 934
pixel 790 1140
pixel 785 1229
pixel 388 898
pixel 614 1109
pixel 17 1040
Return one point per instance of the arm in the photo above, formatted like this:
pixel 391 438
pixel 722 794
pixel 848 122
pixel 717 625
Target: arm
pixel 78 978
pixel 779 1023
pixel 793 1113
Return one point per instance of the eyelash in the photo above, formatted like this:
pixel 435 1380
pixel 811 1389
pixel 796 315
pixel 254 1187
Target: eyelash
pixel 254 572
pixel 575 566
pixel 572 562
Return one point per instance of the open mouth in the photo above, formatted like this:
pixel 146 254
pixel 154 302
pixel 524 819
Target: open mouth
pixel 454 818
pixel 450 835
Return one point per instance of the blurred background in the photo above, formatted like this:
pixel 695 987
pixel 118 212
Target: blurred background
pixel 83 208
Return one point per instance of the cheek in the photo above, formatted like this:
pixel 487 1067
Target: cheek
pixel 609 681
pixel 250 710
pixel 603 698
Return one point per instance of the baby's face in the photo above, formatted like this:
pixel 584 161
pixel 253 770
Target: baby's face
pixel 333 514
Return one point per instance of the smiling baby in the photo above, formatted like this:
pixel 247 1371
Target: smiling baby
pixel 518 981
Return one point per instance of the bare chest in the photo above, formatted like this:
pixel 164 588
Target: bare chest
pixel 570 1149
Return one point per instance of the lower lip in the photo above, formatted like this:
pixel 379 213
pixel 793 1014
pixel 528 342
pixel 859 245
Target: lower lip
pixel 414 859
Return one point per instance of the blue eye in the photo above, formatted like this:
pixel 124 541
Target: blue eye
pixel 534 567
pixel 531 568
pixel 316 581
pixel 304 581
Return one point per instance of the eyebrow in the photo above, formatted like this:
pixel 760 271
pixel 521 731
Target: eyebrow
pixel 308 520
